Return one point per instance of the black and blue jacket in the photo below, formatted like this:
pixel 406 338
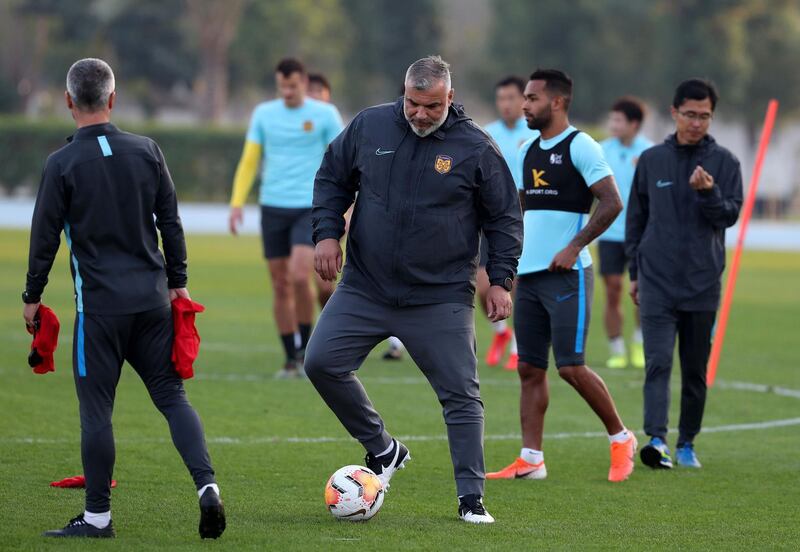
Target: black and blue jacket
pixel 109 191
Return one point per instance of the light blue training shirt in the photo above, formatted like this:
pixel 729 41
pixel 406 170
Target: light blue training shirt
pixel 293 141
pixel 622 159
pixel 548 232
pixel 509 140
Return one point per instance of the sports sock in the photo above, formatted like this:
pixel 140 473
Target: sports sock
pixel 500 326
pixel 637 335
pixel 616 345
pixel 513 347
pixel 100 521
pixel 620 437
pixel 395 343
pixel 204 487
pixel 532 456
pixel 388 450
pixel 289 346
pixel 305 334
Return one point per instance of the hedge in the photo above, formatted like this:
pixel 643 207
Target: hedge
pixel 202 159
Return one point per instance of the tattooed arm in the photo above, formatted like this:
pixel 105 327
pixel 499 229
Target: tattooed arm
pixel 608 208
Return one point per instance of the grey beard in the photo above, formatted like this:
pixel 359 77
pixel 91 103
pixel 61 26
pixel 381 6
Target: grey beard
pixel 431 129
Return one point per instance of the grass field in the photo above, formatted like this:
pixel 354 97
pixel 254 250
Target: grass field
pixel 747 496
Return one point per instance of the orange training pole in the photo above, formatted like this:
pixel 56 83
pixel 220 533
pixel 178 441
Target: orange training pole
pixel 747 211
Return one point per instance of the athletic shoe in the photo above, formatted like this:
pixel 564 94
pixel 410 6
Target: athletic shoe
pixel 513 362
pixel 471 510
pixel 656 454
pixel 617 362
pixel 393 353
pixel 622 459
pixel 498 348
pixel 520 469
pixel 385 465
pixel 637 355
pixel 685 456
pixel 289 371
pixel 212 515
pixel 78 527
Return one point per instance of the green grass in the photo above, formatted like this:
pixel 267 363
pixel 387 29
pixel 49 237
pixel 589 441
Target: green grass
pixel 747 496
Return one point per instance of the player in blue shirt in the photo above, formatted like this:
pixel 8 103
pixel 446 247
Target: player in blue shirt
pixel 560 172
pixel 509 132
pixel 622 151
pixel 287 137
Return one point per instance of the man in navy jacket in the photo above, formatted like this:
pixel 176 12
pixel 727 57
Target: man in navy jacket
pixel 686 192
pixel 428 180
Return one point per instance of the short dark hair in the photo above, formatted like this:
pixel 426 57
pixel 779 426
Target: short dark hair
pixel 319 78
pixel 695 89
pixel 287 66
pixel 631 107
pixel 557 82
pixel 511 80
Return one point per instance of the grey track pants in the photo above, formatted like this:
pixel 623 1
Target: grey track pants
pixel 102 343
pixel 660 326
pixel 441 340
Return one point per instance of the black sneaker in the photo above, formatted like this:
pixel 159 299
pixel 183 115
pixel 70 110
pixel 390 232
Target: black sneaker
pixel 212 515
pixel 471 510
pixel 78 527
pixel 384 466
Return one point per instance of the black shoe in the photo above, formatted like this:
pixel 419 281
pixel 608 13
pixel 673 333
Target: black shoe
pixel 384 466
pixel 471 510
pixel 212 515
pixel 78 527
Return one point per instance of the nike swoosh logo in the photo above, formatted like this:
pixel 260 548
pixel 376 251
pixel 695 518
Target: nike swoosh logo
pixel 663 183
pixel 379 151
pixel 562 298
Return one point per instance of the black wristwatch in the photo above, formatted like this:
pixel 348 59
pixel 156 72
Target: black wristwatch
pixel 29 299
pixel 507 283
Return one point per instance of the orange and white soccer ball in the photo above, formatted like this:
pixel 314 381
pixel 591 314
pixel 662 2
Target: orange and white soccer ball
pixel 354 493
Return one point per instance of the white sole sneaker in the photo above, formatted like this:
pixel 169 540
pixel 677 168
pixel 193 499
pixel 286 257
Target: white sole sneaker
pixel 469 517
pixel 399 460
pixel 537 475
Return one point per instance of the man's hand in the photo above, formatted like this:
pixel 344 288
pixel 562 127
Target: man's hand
pixel 634 291
pixel 235 220
pixel 565 259
pixel 498 303
pixel 29 313
pixel 701 180
pixel 178 292
pixel 328 259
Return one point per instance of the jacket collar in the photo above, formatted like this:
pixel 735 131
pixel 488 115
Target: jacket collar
pixel 707 142
pixel 93 131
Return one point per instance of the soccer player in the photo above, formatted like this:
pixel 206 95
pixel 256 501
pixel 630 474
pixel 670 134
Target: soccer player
pixel 509 132
pixel 686 192
pixel 622 151
pixel 560 172
pixel 319 87
pixel 104 189
pixel 428 179
pixel 288 136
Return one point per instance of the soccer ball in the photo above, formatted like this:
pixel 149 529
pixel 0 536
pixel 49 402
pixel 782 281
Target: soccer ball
pixel 354 493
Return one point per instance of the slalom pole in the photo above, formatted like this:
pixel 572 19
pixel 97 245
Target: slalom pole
pixel 747 212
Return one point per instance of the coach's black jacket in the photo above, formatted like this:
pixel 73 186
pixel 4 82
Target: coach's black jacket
pixel 109 191
pixel 421 205
pixel 675 236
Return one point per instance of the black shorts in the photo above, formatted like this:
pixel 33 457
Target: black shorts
pixel 613 259
pixel 553 308
pixel 282 229
pixel 484 256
